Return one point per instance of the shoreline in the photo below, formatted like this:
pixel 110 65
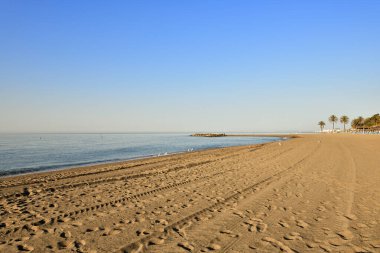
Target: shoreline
pixel 217 135
pixel 122 161
pixel 141 158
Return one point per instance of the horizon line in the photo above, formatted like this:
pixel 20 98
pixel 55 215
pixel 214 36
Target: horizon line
pixel 149 132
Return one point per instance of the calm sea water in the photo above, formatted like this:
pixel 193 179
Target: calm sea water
pixel 25 153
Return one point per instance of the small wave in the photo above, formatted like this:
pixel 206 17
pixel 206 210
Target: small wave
pixel 26 170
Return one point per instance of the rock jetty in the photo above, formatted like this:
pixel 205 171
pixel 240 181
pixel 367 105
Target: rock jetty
pixel 209 134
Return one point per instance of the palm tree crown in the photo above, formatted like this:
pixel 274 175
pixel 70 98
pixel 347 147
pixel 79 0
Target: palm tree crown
pixel 333 119
pixel 321 125
pixel 344 120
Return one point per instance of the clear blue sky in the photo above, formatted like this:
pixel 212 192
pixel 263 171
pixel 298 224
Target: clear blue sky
pixel 115 66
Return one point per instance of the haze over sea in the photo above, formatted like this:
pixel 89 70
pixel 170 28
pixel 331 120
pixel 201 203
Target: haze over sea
pixel 25 153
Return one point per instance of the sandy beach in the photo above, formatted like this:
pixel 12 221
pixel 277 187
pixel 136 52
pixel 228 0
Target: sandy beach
pixel 316 193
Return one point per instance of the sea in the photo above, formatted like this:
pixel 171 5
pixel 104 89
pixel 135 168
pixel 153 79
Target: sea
pixel 28 153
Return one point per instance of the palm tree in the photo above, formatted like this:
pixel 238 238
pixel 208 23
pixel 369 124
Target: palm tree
pixel 321 125
pixel 361 122
pixel 344 120
pixel 333 119
pixel 357 122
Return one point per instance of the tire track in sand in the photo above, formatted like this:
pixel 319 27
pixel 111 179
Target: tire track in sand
pixel 144 243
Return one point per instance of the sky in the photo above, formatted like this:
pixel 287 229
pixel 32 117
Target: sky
pixel 186 66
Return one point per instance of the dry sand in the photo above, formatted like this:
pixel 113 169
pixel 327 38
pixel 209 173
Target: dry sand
pixel 317 193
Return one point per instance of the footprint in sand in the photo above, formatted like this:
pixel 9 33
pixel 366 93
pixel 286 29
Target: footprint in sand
pixel 64 220
pixel 229 233
pixel 325 247
pixel 346 234
pixel 240 214
pixel 139 219
pixel 214 246
pixel 278 244
pixel 187 246
pixel 65 234
pixel 161 222
pixel 375 244
pixel 256 225
pixel 115 232
pixel 283 224
pixel 271 207
pixel 141 232
pixel 337 241
pixel 181 232
pixel 77 224
pixel 293 236
pixel 302 224
pixel 358 249
pixel 351 216
pixel 80 243
pixel 25 247
pixel 258 245
pixel 156 241
pixel 361 225
pixel 311 245
pixel 135 248
pixel 261 227
pixel 22 239
pixel 66 244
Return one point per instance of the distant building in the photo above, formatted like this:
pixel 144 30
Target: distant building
pixel 336 130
